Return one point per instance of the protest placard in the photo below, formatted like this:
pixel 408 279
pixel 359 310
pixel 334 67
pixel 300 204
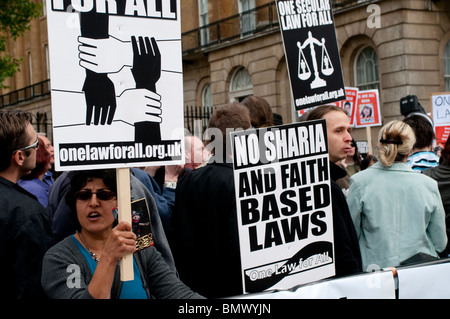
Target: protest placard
pixel 349 104
pixel 312 54
pixel 442 133
pixel 440 105
pixel 116 89
pixel 367 111
pixel 283 199
pixel 117 86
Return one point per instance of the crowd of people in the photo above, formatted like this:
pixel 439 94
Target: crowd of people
pixel 60 239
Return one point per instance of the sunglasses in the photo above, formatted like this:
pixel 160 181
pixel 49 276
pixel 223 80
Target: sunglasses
pixel 86 194
pixel 34 145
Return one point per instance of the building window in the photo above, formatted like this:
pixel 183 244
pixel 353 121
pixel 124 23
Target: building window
pixel 207 95
pixel 447 66
pixel 241 85
pixel 203 21
pixel 367 74
pixel 247 12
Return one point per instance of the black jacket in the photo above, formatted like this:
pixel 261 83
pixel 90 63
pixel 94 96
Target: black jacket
pixel 346 244
pixel 205 240
pixel 25 236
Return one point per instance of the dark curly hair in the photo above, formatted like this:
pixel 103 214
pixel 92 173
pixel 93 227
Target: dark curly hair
pixel 79 179
pixel 423 129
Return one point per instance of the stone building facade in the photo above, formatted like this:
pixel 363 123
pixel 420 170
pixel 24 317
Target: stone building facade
pixel 232 49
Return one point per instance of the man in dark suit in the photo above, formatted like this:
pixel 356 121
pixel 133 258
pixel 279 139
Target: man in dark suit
pixel 25 228
pixel 205 241
pixel 346 244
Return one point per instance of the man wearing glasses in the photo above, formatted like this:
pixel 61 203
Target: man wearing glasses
pixel 25 229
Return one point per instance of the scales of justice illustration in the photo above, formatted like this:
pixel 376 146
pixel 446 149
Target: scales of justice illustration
pixel 304 70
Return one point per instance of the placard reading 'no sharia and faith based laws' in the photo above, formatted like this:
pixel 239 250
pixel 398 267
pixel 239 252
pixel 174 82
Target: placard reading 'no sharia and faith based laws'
pixel 283 199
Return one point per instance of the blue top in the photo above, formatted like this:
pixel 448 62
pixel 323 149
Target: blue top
pixel 420 161
pixel 37 187
pixel 130 289
pixel 397 213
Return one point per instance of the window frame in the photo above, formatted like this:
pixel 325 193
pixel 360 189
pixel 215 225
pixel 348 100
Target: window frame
pixel 446 60
pixel 367 85
pixel 238 93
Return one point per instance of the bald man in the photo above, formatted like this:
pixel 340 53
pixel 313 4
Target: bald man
pixel 195 151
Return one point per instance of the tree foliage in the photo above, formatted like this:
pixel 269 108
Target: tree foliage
pixel 15 16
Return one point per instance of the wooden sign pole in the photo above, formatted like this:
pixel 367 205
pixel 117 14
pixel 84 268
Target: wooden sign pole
pixel 124 212
pixel 369 140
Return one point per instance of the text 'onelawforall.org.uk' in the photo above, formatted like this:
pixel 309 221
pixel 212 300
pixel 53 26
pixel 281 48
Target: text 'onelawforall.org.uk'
pixel 101 152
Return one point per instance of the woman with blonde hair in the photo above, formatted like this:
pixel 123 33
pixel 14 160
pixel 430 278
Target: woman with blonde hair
pixel 397 213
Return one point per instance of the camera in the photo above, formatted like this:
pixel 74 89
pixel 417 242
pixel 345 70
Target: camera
pixel 410 104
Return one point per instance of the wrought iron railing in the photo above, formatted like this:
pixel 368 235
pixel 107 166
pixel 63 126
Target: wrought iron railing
pixel 25 94
pixel 196 118
pixel 235 27
pixel 240 26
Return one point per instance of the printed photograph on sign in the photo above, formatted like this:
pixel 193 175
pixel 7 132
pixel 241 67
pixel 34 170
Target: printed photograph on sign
pixel 312 54
pixel 283 198
pixel 367 111
pixel 141 226
pixel 349 104
pixel 140 223
pixel 117 83
pixel 348 107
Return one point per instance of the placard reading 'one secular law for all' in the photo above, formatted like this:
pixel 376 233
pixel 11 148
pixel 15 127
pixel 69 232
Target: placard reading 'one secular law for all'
pixel 117 83
pixel 312 54
pixel 283 200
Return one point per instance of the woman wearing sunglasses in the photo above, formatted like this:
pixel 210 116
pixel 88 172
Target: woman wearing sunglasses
pixel 85 265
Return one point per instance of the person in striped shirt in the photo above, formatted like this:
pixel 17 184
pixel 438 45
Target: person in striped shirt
pixel 422 156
